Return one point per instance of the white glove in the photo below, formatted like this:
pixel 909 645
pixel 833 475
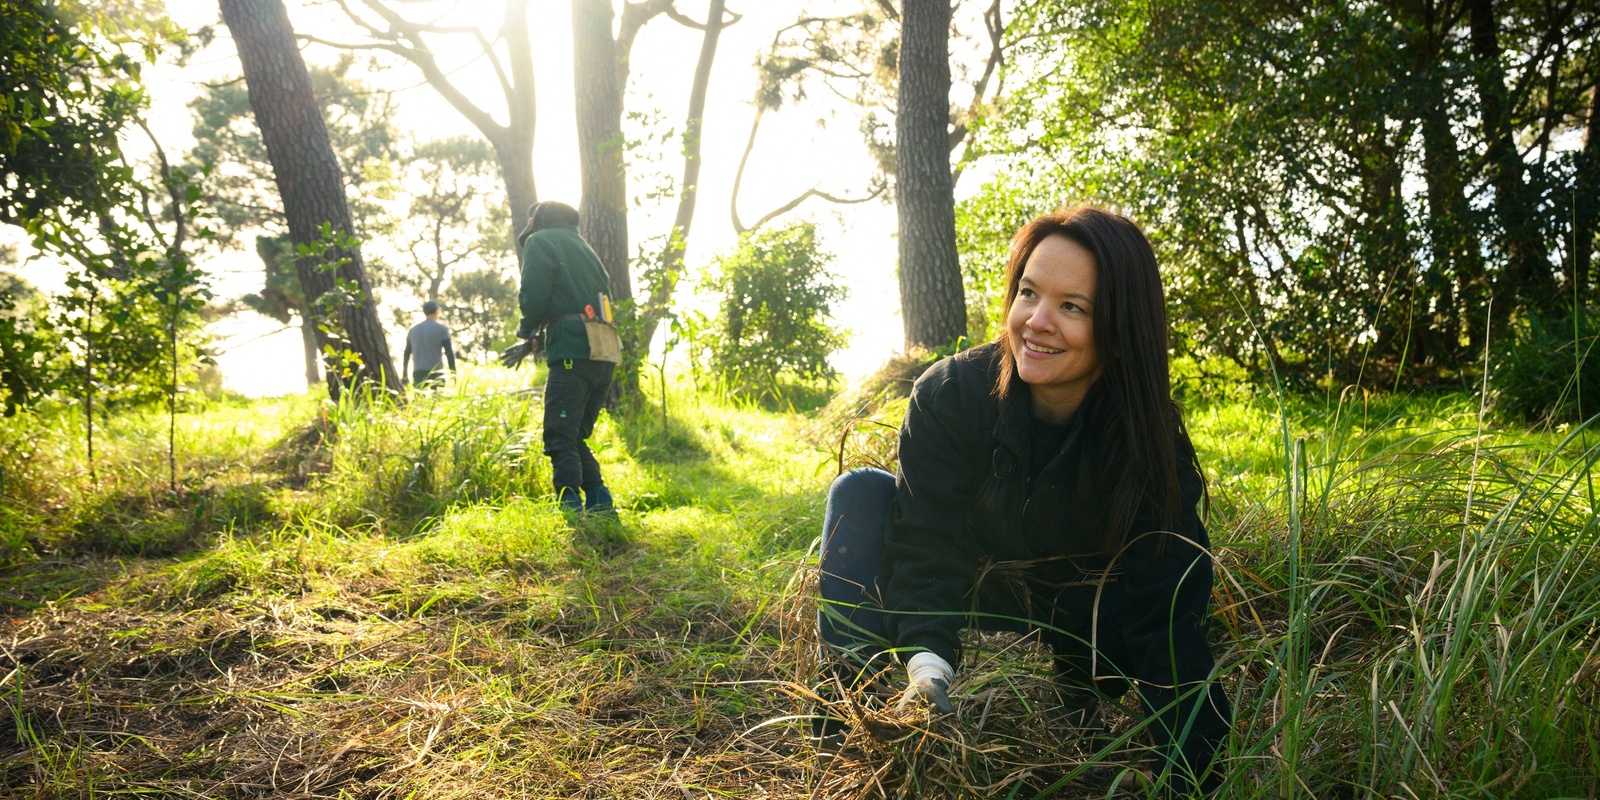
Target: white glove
pixel 930 678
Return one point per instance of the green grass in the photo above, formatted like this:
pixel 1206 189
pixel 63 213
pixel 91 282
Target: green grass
pixel 360 601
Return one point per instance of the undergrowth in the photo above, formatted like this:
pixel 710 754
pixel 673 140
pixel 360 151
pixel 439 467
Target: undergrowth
pixel 376 601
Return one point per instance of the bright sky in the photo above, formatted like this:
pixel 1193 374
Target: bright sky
pixel 812 145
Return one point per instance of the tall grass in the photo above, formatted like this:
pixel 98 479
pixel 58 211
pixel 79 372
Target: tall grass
pixel 1406 607
pixel 1414 613
pixel 404 465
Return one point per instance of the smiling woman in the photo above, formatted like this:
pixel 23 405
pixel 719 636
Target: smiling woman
pixel 1050 330
pixel 1047 486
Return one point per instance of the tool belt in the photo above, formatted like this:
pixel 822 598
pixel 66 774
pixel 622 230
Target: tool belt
pixel 604 343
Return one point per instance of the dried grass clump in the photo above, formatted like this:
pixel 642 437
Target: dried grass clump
pixel 861 426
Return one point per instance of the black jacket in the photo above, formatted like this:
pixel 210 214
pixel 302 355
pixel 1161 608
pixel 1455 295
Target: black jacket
pixel 965 505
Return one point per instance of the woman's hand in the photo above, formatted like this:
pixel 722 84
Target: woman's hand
pixel 930 678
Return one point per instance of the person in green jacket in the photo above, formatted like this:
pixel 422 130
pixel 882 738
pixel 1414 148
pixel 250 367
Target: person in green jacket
pixel 563 301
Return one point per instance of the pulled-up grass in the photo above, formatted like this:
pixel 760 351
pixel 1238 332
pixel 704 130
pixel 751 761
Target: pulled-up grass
pixel 1407 606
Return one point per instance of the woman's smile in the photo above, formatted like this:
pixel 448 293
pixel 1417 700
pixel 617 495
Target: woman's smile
pixel 1051 327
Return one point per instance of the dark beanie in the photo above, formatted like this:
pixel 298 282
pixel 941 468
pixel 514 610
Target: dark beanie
pixel 548 214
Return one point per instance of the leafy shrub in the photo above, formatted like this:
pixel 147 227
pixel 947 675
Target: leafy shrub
pixel 28 345
pixel 481 305
pixel 773 322
pixel 1536 373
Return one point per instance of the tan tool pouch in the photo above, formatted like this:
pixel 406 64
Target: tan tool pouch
pixel 604 344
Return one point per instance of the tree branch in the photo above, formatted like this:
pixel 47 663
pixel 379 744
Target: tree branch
pixel 810 193
pixel 686 21
pixel 992 23
pixel 178 229
pixel 419 54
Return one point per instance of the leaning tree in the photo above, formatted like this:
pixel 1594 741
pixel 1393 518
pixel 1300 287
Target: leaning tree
pixel 328 258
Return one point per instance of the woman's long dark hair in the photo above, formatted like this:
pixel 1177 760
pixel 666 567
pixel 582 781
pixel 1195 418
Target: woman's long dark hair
pixel 1130 340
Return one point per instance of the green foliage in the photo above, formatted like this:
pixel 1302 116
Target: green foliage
pixel 406 465
pixel 29 347
pixel 985 223
pixel 1543 374
pixel 481 307
pixel 52 510
pixel 455 220
pixel 130 316
pixel 1306 172
pixel 773 323
pixel 62 103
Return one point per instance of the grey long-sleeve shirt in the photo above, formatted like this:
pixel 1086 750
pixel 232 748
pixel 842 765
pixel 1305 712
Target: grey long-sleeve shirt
pixel 427 344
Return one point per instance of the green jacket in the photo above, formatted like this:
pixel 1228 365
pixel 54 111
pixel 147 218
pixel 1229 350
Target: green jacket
pixel 560 275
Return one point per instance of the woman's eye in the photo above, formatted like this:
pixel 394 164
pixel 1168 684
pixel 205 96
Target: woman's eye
pixel 1025 292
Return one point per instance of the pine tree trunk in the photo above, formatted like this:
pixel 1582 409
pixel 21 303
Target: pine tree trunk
pixel 515 149
pixel 671 263
pixel 308 178
pixel 514 153
pixel 932 303
pixel 603 211
pixel 308 346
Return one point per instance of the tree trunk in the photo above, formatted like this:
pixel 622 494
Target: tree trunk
pixel 671 265
pixel 308 346
pixel 603 211
pixel 1586 202
pixel 1456 279
pixel 309 182
pixel 1527 277
pixel 514 152
pixel 932 302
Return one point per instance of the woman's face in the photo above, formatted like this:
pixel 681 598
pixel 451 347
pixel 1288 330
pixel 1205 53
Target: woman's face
pixel 1051 327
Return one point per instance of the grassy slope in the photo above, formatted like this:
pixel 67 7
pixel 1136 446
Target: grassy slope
pixel 402 611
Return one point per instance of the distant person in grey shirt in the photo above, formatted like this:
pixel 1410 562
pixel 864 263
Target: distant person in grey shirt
pixel 429 341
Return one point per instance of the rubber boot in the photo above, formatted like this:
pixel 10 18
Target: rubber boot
pixel 597 500
pixel 570 499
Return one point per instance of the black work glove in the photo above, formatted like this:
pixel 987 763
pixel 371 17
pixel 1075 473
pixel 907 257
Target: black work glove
pixel 513 356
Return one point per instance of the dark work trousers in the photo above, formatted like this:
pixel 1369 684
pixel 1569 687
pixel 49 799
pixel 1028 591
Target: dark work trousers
pixel 573 395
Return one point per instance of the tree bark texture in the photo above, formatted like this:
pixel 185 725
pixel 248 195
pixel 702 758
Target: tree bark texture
pixel 599 81
pixel 312 352
pixel 515 151
pixel 309 181
pixel 1527 273
pixel 932 301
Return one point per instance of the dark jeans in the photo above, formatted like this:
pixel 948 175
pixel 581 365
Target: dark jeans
pixel 573 395
pixel 851 618
pixel 851 585
pixel 427 377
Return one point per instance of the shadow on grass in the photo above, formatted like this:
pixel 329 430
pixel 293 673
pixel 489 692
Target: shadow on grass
pixel 113 532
